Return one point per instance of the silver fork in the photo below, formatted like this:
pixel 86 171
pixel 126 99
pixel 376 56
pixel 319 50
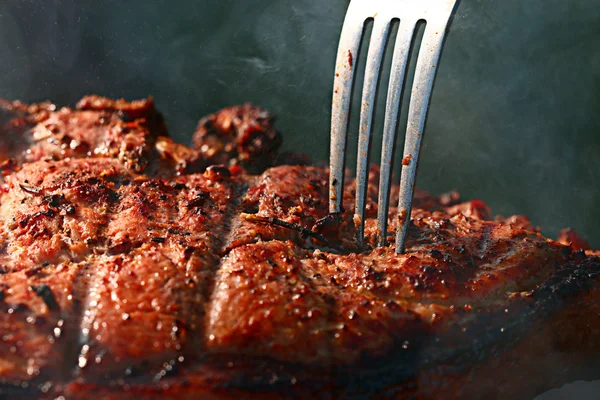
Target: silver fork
pixel 436 14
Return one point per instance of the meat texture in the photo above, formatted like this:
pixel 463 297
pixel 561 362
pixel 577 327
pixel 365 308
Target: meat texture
pixel 241 135
pixel 133 266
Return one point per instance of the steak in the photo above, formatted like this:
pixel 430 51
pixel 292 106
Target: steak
pixel 134 266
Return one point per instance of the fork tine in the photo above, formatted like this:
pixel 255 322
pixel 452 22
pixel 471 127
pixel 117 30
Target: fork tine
pixel 342 90
pixel 401 48
pixel 427 62
pixel 377 46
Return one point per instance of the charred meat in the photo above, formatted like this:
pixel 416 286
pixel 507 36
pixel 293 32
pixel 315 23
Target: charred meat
pixel 133 266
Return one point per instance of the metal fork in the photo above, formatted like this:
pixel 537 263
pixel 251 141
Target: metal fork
pixel 436 14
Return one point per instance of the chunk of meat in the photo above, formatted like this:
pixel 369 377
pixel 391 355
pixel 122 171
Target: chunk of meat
pixel 265 304
pixel 99 127
pixel 141 311
pixel 133 266
pixel 241 135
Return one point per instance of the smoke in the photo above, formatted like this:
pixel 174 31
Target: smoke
pixel 16 64
pixel 514 115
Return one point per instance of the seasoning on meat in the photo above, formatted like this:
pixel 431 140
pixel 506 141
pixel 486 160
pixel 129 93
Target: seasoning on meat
pixel 135 267
pixel 241 135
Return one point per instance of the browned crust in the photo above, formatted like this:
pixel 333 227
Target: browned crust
pixel 137 271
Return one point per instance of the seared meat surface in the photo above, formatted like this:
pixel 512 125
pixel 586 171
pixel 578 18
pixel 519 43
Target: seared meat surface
pixel 134 266
pixel 98 127
pixel 241 135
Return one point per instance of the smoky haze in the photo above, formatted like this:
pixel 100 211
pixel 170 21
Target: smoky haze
pixel 514 118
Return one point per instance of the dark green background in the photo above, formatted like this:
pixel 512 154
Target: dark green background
pixel 514 118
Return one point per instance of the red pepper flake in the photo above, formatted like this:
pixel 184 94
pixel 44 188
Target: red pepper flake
pixel 235 170
pixel 350 58
pixel 406 160
pixel 8 166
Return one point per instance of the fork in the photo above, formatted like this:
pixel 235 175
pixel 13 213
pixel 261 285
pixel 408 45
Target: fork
pixel 436 14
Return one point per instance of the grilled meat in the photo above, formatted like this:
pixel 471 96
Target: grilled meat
pixel 241 135
pixel 99 127
pixel 145 271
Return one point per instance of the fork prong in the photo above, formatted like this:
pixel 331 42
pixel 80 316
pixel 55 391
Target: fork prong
pixel 340 107
pixel 399 59
pixel 377 46
pixel 427 62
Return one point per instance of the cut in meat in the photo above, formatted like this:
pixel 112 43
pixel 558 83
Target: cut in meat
pixel 134 266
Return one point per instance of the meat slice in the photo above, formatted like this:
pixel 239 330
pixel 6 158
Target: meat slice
pixel 375 296
pixel 135 237
pixel 133 266
pixel 151 295
pixel 265 304
pixel 140 313
pixel 99 127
